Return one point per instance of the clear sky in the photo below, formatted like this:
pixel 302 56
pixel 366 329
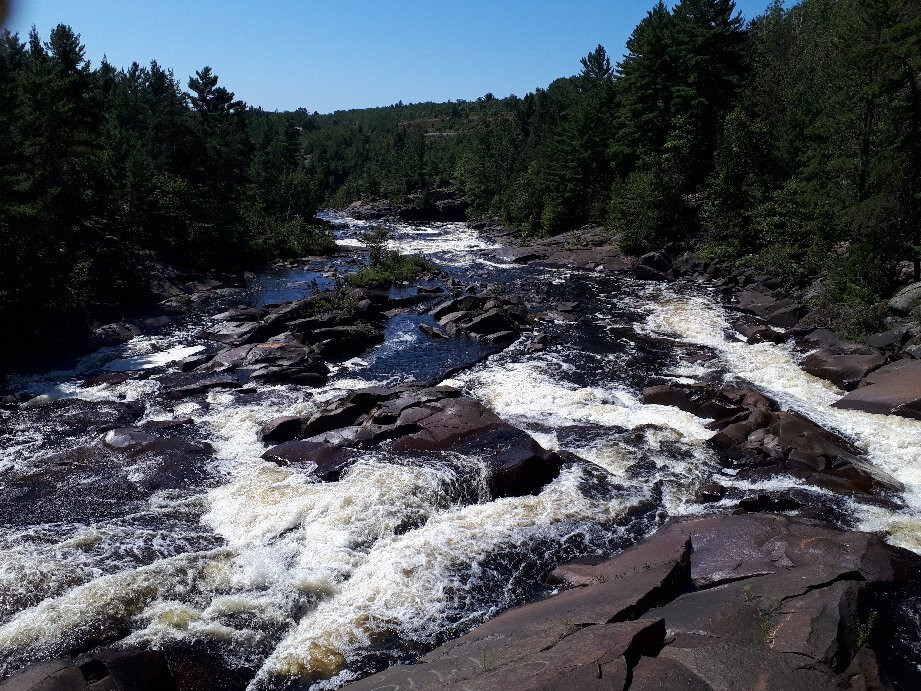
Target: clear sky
pixel 327 55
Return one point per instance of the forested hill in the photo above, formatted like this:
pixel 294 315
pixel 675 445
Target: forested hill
pixel 107 174
pixel 791 142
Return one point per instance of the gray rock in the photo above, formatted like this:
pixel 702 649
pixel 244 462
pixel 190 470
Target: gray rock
pixel 906 299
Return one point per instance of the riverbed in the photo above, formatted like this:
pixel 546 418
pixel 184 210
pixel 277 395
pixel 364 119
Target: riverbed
pixel 273 573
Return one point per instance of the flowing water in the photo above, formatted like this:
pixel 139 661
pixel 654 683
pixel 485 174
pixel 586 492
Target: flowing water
pixel 313 584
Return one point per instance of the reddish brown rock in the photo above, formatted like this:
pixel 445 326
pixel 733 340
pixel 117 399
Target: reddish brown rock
pixel 844 371
pixel 748 601
pixel 894 389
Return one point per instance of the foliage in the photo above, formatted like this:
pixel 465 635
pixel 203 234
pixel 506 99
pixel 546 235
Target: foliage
pixel 392 268
pixel 103 171
pixel 778 143
pixel 375 241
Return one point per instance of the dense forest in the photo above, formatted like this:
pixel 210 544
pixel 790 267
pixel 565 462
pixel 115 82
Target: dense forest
pixel 105 173
pixel 791 142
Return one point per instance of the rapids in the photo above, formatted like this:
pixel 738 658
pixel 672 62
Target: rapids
pixel 314 584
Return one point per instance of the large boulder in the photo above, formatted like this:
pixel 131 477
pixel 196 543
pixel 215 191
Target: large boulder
pixel 416 420
pixel 894 389
pixel 907 299
pixel 107 670
pixel 324 461
pixel 844 371
pixel 747 601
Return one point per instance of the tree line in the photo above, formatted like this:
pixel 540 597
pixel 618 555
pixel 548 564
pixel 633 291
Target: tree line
pixel 791 142
pixel 106 172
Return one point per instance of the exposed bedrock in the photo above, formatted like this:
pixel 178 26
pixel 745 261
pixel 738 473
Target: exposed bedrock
pixel 759 440
pixel 731 602
pixel 413 419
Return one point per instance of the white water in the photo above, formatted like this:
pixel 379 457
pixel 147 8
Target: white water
pixel 307 576
pixel 891 443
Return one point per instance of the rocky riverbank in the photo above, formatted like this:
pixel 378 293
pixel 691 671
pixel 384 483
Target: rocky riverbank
pixel 771 588
pixel 881 375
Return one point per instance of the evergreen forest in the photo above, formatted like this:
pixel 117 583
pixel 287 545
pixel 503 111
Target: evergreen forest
pixel 789 142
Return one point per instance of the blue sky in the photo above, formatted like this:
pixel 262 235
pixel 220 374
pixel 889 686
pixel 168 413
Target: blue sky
pixel 335 54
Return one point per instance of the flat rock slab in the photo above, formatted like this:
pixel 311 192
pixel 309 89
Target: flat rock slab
pixel 844 371
pixel 894 389
pixel 748 601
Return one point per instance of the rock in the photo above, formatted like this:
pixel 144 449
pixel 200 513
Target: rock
pixel 432 331
pixel 646 273
pixel 192 362
pixel 282 429
pixel 888 339
pixel 230 332
pixel 906 299
pixel 710 493
pixel 565 641
pixel 844 371
pixel 345 341
pixel 894 389
pixel 787 317
pixel 114 334
pixel 183 385
pixel 325 461
pixel 758 303
pixel 697 399
pixel 658 261
pixel 416 419
pixel 759 333
pixel 664 674
pixel 118 670
pixel 166 424
pixel 126 438
pixel 830 341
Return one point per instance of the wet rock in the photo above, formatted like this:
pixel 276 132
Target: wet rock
pixel 192 362
pixel 432 331
pixel 110 379
pixel 711 492
pixel 229 332
pixel 74 416
pixel 698 399
pixel 571 640
pixel 344 341
pixel 282 429
pixel 113 334
pixel 166 424
pixel 125 438
pixel 324 461
pixel 844 371
pixel 894 389
pixel 761 441
pixel 183 385
pixel 759 333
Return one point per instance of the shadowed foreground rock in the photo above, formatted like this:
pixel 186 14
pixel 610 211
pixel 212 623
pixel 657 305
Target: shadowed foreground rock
pixel 731 602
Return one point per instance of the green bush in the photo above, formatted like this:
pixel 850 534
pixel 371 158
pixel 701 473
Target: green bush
pixel 392 268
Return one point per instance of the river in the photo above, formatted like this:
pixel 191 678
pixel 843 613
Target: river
pixel 282 577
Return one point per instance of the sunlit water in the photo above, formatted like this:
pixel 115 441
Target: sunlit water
pixel 324 582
